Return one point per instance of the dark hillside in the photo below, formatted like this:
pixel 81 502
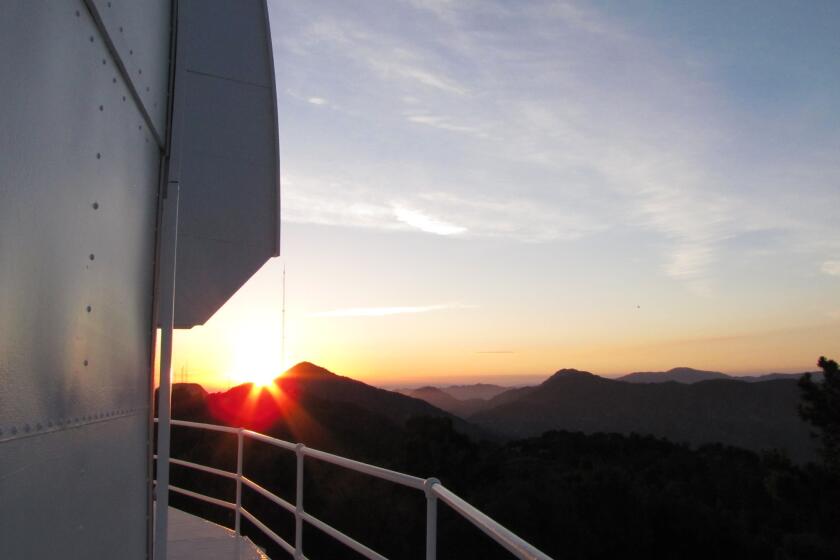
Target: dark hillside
pixel 750 415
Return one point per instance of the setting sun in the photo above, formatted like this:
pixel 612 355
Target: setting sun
pixel 255 358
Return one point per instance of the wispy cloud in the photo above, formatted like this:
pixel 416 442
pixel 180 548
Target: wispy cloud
pixel 421 221
pixel 327 200
pixel 379 55
pixel 564 123
pixel 395 66
pixel 316 100
pixel 386 311
pixel 832 268
pixel 443 123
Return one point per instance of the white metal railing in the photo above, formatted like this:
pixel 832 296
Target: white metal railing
pixel 431 487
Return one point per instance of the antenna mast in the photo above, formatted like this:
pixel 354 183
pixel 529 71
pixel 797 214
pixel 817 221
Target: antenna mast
pixel 283 325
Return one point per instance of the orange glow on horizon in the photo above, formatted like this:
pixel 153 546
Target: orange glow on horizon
pixel 255 407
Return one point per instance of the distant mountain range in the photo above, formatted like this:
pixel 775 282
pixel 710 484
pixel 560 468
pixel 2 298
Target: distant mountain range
pixel 605 490
pixel 445 401
pixel 752 415
pixel 690 375
pixel 317 407
pixel 312 404
pixel 466 400
pixel 481 391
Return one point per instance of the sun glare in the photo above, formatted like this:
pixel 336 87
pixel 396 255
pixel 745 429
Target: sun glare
pixel 255 359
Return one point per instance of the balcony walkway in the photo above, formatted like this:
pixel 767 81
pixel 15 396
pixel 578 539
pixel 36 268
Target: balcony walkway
pixel 193 538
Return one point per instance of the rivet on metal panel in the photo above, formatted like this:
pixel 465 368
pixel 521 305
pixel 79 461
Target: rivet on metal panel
pixel 113 80
pixel 88 308
pixel 91 256
pixel 104 62
pixel 101 107
pixel 91 38
pixel 95 205
pixel 109 4
pixel 98 155
pixel 123 98
pixel 139 127
pixel 86 363
pixel 147 88
pixel 121 29
pixel 139 70
pixel 130 52
pixel 77 13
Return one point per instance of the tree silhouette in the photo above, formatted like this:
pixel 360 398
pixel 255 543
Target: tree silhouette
pixel 821 408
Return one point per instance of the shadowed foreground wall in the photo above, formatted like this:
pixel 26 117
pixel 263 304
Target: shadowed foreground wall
pixel 82 118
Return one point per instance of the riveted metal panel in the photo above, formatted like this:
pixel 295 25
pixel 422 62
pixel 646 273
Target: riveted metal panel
pixel 225 154
pixel 60 503
pixel 139 32
pixel 79 180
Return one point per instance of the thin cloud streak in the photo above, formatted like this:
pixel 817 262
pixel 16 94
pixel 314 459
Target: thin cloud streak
pixel 386 311
pixel 423 222
pixel 548 122
pixel 832 268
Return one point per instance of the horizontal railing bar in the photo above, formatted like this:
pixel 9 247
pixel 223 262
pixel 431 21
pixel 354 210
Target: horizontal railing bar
pixel 198 467
pixel 268 439
pixel 214 427
pixel 198 496
pixel 268 494
pixel 491 528
pixel 346 540
pixel 268 532
pixel 379 472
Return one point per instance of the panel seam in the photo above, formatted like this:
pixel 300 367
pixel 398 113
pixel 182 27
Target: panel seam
pixel 64 425
pixel 126 75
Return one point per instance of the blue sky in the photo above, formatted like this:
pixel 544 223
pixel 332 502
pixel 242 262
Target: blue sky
pixel 546 177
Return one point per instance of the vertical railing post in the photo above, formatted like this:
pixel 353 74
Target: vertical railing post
pixel 168 252
pixel 239 441
pixel 299 502
pixel 431 518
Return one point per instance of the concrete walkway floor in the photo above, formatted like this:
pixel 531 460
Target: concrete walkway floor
pixel 193 538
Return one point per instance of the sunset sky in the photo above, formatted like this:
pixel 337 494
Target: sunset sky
pixel 495 190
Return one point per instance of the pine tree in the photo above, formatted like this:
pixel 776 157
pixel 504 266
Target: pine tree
pixel 821 408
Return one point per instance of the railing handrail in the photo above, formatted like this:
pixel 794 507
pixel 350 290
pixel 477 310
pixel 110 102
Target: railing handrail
pixel 433 489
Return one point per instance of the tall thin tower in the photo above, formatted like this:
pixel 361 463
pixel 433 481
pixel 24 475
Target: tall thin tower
pixel 283 325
